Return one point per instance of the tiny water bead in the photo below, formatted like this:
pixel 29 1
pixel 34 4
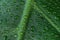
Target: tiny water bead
pixel 15 36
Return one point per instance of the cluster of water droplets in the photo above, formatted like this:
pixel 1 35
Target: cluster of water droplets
pixel 10 14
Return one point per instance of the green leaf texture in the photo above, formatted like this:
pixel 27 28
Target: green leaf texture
pixel 29 19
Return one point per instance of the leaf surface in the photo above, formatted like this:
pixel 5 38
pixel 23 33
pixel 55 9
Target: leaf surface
pixel 41 20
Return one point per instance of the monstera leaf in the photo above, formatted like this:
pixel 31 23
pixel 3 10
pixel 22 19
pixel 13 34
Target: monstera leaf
pixel 29 19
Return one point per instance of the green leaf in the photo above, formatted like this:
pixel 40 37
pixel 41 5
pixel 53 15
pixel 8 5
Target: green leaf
pixel 10 15
pixel 29 19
